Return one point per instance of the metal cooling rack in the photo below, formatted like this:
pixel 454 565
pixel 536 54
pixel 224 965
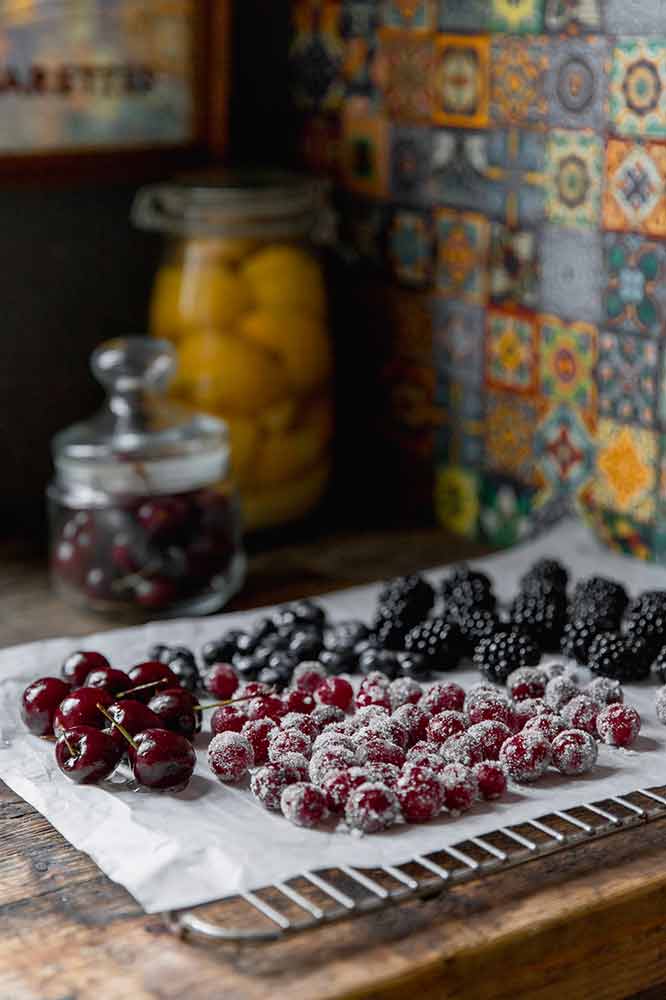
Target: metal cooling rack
pixel 316 898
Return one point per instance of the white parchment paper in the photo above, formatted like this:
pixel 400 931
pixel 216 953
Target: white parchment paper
pixel 212 840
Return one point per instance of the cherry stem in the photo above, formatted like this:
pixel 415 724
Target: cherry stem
pixel 121 729
pixel 142 687
pixel 69 745
pixel 232 701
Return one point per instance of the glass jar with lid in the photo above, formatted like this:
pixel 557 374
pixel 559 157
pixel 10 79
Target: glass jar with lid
pixel 144 515
pixel 240 293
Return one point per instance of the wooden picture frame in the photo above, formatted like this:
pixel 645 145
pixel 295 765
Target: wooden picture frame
pixel 210 42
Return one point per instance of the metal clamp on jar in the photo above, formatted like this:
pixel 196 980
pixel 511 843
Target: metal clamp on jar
pixel 144 515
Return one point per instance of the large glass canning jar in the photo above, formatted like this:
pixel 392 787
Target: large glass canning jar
pixel 144 514
pixel 240 293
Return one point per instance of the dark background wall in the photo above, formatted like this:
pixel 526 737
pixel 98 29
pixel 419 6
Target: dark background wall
pixel 73 271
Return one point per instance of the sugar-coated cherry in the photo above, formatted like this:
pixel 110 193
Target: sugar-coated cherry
pixel 78 665
pixel 574 752
pixel 460 787
pixel 491 779
pixel 156 593
pixel 269 782
pixel 426 754
pixel 86 755
pixel 253 689
pixel 258 732
pixel 372 807
pixel 581 713
pixel 338 785
pixel 79 708
pixel 230 756
pixel 323 715
pixel 490 735
pixel 526 682
pixel 151 672
pixel 416 720
pixel 404 691
pixel 373 694
pixel 492 706
pixel 282 741
pixel 442 697
pixel 162 760
pixel 376 750
pixel 308 676
pixel 304 723
pixel 221 680
pixel 445 724
pixel 527 709
pixel 463 748
pixel 335 691
pixel 269 706
pixel 112 680
pixel 298 700
pixel 133 716
pixel 548 723
pixel 618 725
pixel 526 755
pixel 40 702
pixel 228 718
pixel 330 758
pixel 387 774
pixel 420 793
pixel 303 804
pixel 175 708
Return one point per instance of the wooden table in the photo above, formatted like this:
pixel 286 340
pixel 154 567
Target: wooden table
pixel 586 925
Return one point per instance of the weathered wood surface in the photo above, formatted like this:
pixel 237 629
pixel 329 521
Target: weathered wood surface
pixel 586 925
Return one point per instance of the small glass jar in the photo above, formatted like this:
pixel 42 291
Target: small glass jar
pixel 240 293
pixel 144 515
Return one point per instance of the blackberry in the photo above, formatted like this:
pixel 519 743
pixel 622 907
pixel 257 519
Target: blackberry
pixel 439 641
pixel 646 619
pixel 577 638
pixel 343 661
pixel 544 617
pixel 474 624
pixel 545 576
pixel 602 599
pixel 299 613
pixel 345 635
pixel 414 665
pixel 221 650
pixel 620 657
pixel 181 660
pixel 306 644
pixel 409 597
pixel 660 666
pixel 466 588
pixel 391 626
pixel 503 652
pixel 384 660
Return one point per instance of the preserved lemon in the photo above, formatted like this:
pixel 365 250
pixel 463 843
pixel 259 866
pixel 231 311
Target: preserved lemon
pixel 285 276
pixel 284 455
pixel 300 340
pixel 272 505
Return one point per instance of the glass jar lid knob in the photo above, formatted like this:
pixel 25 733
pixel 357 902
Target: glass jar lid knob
pixel 132 364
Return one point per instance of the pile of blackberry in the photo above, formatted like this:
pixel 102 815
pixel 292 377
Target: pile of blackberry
pixel 402 604
pixel 621 657
pixel 646 619
pixel 502 653
pixel 466 589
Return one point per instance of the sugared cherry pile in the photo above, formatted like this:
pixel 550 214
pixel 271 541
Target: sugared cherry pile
pixel 287 719
pixel 151 553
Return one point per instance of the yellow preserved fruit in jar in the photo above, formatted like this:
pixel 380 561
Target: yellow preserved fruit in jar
pixel 241 295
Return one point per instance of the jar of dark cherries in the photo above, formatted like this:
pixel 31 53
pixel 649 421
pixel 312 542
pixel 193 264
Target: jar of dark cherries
pixel 144 516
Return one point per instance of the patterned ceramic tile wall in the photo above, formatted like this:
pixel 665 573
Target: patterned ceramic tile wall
pixel 507 159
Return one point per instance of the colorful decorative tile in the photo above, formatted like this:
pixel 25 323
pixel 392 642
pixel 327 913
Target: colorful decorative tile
pixel 571 268
pixel 410 157
pixel 576 82
pixel 463 15
pixel 316 55
pixel 458 342
pixel 455 445
pixel 457 499
pixel 404 69
pixel 516 168
pixel 634 284
pixel 360 18
pixel 364 150
pixel 462 251
pixel 363 231
pixel 506 507
pixel 410 246
pixel 564 448
pixel 635 17
pixel 572 16
pixel 574 167
pixel 512 357
pixel 510 421
pixel 409 14
pixel 625 480
pixel 637 88
pixel 517 81
pixel 635 195
pixel 624 534
pixel 461 80
pixel 568 353
pixel 358 68
pixel 627 376
pixel 513 265
pixel 459 172
pixel 516 17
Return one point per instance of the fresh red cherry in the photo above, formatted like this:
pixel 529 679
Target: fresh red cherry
pixel 162 517
pixel 111 680
pixel 80 709
pixel 175 709
pixel 123 555
pixel 78 665
pixel 40 702
pixel 133 716
pixel 148 673
pixel 87 755
pixel 221 680
pixel 156 593
pixel 162 760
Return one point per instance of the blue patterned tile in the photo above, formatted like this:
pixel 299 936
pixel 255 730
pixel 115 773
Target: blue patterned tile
pixel 571 268
pixel 410 165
